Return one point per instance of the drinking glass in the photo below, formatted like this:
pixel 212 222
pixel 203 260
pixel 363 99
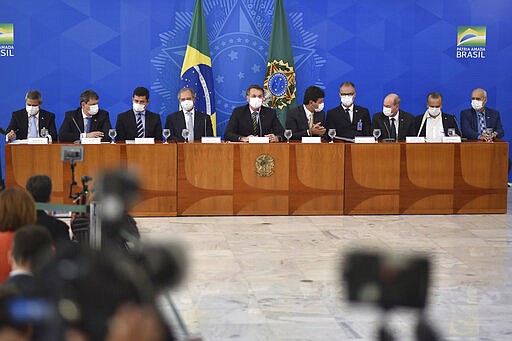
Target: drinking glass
pixel 166 133
pixel 44 132
pixel 112 133
pixel 288 135
pixel 184 134
pixel 488 132
pixel 451 132
pixel 376 134
pixel 331 133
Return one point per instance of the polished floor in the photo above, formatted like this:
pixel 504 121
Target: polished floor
pixel 278 278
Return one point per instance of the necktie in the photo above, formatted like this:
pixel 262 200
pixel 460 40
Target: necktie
pixel 33 126
pixel 481 118
pixel 255 130
pixel 140 126
pixel 87 124
pixel 393 129
pixel 190 126
pixel 348 114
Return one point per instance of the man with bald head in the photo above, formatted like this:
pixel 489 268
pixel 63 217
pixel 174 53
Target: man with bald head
pixel 434 123
pixel 394 124
pixel 475 121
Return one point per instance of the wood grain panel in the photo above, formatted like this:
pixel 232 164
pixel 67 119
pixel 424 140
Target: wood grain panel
pixel 260 195
pixel 316 178
pixel 205 179
pixel 372 178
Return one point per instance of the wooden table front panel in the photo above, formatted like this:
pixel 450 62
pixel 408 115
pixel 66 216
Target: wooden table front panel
pixel 316 178
pixel 205 179
pixel 372 178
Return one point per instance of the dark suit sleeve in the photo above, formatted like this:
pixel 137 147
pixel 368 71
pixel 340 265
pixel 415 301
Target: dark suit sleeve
pixel 277 128
pixel 231 133
pixel 209 127
pixel 412 130
pixel 499 127
pixel 121 127
pixel 52 127
pixel 157 127
pixel 292 123
pixel 454 124
pixel 13 125
pixel 68 132
pixel 466 126
pixel 169 124
pixel 367 124
pixel 105 126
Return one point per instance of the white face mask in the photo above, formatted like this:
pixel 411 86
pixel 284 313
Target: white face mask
pixel 138 107
pixel 320 107
pixel 187 105
pixel 386 111
pixel 255 102
pixel 93 109
pixel 32 110
pixel 476 104
pixel 434 112
pixel 347 100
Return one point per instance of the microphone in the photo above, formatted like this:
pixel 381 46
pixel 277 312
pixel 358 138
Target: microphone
pixel 386 126
pixel 205 127
pixel 425 115
pixel 76 124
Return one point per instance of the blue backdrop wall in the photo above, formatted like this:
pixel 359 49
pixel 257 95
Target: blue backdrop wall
pixel 62 47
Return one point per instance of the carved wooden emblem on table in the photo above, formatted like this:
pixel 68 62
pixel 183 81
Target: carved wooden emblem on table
pixel 264 165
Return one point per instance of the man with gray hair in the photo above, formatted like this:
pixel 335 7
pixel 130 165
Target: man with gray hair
pixel 480 122
pixel 88 120
pixel 197 123
pixel 394 123
pixel 29 122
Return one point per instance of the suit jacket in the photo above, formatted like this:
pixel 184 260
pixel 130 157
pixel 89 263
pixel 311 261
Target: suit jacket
pixel 406 125
pixel 449 121
pixel 70 130
pixel 297 121
pixel 58 229
pixel 175 122
pixel 240 123
pixel 338 119
pixel 469 123
pixel 19 123
pixel 126 125
pixel 24 283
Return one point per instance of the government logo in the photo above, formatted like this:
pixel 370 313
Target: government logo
pixel 471 41
pixel 6 40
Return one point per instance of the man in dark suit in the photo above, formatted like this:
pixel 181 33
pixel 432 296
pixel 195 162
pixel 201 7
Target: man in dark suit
pixel 197 123
pixel 31 248
pixel 28 122
pixel 348 119
pixel 394 124
pixel 253 119
pixel 434 124
pixel 86 121
pixel 40 187
pixel 309 118
pixel 139 122
pixel 476 120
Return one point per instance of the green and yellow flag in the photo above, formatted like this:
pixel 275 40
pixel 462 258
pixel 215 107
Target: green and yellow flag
pixel 196 72
pixel 280 85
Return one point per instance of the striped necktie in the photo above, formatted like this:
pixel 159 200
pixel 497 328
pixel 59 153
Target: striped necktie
pixel 255 130
pixel 140 126
pixel 481 119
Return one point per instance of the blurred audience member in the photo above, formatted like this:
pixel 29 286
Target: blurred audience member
pixel 17 209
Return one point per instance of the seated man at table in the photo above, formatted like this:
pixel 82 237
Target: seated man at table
pixel 309 118
pixel 394 123
pixel 475 121
pixel 29 121
pixel 253 119
pixel 139 122
pixel 434 124
pixel 86 121
pixel 197 123
pixel 348 119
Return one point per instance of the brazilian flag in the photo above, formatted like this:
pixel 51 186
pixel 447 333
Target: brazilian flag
pixel 280 85
pixel 196 72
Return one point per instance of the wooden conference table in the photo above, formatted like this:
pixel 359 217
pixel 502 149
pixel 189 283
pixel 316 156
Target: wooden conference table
pixel 288 179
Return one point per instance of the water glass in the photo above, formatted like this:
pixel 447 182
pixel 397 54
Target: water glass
pixel 112 133
pixel 185 133
pixel 288 135
pixel 166 133
pixel 376 134
pixel 331 133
